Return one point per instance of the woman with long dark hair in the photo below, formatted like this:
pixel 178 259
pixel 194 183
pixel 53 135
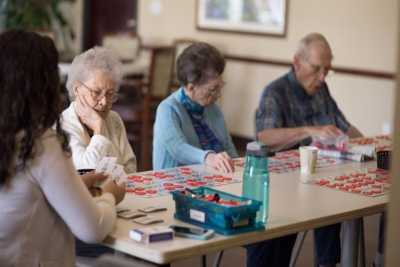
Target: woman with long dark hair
pixel 42 200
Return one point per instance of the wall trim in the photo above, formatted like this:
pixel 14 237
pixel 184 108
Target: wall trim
pixel 342 70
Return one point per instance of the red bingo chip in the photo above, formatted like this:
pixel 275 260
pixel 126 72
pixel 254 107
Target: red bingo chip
pixel 160 175
pixel 140 192
pixel 151 191
pixel 228 202
pixel 331 185
pixel 350 186
pixel 209 197
pixel 136 178
pixel 194 184
pixel 323 182
pixel 139 189
pixel 356 190
pixel 170 188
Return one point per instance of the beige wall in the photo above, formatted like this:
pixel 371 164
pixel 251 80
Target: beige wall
pixel 362 33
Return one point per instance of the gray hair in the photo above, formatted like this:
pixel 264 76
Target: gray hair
pixel 306 41
pixel 94 59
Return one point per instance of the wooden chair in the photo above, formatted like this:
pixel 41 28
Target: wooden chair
pixel 140 98
pixel 155 90
pixel 125 46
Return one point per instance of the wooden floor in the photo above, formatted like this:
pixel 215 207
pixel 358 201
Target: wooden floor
pixel 237 257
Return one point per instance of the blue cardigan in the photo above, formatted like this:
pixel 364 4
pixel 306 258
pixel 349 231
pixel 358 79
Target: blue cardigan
pixel 175 141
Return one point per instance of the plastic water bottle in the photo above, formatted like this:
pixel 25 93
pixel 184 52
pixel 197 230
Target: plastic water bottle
pixel 256 178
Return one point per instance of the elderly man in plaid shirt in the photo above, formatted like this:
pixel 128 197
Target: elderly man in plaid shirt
pixel 293 109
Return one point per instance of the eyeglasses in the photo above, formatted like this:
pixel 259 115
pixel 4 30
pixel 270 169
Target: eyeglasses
pixel 318 69
pixel 215 88
pixel 97 95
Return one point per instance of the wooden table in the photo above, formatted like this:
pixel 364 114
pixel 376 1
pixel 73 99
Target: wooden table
pixel 294 207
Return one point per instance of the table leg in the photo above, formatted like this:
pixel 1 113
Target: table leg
pixel 218 258
pixel 350 242
pixel 298 245
pixel 204 260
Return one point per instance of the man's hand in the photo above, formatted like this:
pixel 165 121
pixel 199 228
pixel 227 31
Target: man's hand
pixel 88 115
pixel 221 162
pixel 324 132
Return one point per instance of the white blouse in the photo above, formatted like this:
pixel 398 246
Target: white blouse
pixel 43 205
pixel 88 151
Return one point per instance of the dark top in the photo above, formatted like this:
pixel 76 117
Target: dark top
pixel 285 104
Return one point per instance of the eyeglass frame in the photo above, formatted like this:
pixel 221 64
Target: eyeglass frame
pixel 97 98
pixel 316 69
pixel 215 89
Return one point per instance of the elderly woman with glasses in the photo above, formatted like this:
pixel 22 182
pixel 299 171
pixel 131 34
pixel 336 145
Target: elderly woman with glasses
pixel 96 131
pixel 189 126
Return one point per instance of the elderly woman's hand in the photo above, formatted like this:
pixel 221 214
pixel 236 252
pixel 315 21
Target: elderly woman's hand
pixel 220 161
pixel 88 116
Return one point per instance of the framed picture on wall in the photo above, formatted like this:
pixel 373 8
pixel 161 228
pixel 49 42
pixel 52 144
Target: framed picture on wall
pixel 261 17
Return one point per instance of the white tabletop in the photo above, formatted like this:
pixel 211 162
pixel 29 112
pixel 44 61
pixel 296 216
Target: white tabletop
pixel 294 207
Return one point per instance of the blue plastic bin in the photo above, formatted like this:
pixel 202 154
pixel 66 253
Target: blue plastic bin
pixel 225 220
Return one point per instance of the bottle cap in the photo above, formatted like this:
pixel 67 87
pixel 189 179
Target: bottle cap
pixel 257 149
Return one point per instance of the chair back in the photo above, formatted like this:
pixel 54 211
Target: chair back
pixel 125 46
pixel 159 79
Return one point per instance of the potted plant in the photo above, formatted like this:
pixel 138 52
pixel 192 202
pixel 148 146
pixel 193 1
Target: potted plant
pixel 43 16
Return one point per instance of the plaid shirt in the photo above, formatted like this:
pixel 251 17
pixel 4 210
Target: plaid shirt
pixel 285 104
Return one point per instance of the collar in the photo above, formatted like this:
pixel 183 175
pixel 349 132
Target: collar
pixel 296 86
pixel 190 105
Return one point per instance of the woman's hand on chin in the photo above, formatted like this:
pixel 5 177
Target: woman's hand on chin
pixel 89 116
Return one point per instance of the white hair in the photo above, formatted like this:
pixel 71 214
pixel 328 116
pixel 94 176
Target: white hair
pixel 306 41
pixel 94 59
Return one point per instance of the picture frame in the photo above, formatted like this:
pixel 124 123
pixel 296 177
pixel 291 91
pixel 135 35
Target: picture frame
pixel 258 17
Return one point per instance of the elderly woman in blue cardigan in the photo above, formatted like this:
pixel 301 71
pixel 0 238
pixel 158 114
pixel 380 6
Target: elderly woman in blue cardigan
pixel 189 126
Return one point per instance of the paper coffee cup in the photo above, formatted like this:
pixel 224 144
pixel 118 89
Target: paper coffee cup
pixel 308 159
